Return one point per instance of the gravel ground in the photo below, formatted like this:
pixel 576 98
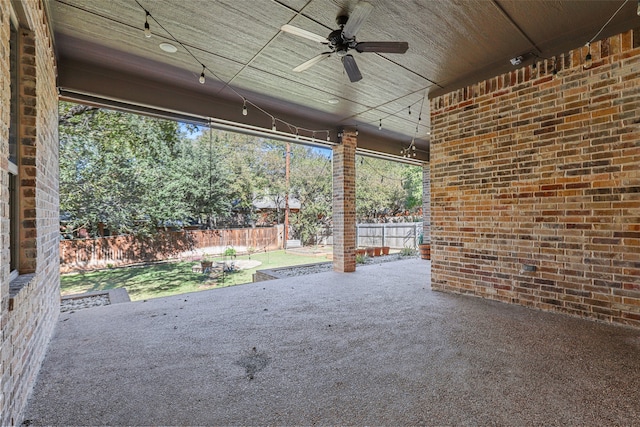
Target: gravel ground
pixel 72 304
pixel 328 266
pixel 373 347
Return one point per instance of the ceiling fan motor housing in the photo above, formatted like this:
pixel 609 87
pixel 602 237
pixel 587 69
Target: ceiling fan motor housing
pixel 341 20
pixel 338 44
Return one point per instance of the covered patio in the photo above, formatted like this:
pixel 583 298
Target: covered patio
pixel 376 347
pixel 525 119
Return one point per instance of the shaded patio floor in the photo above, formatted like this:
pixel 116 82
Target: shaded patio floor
pixel 374 347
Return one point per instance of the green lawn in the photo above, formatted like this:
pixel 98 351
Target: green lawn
pixel 161 280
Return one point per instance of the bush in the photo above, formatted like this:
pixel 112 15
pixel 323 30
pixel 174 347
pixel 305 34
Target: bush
pixel 407 252
pixel 361 259
pixel 230 252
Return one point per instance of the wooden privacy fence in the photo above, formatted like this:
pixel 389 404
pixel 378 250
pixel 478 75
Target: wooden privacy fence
pixel 89 254
pixel 395 235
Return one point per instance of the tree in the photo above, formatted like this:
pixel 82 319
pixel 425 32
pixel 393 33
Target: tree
pixel 311 184
pixel 204 178
pixel 385 188
pixel 412 185
pixel 128 172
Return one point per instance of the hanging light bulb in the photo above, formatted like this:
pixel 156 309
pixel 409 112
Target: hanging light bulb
pixel 313 136
pixel 328 136
pixel 380 125
pixel 147 29
pixel 273 124
pixel 409 109
pixel 244 108
pixel 588 62
pixel 414 154
pixel 638 8
pixel 356 130
pixel 413 147
pixel 202 79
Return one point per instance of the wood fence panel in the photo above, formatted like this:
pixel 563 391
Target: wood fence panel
pixel 90 254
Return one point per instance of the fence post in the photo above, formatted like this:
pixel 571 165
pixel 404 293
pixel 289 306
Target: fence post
pixel 415 235
pixel 357 235
pixel 384 229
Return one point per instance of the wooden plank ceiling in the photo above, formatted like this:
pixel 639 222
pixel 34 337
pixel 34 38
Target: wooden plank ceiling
pixel 102 52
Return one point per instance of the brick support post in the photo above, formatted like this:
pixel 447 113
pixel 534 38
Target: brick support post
pixel 426 202
pixel 27 152
pixel 344 204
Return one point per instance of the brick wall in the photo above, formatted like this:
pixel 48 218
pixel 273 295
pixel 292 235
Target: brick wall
pixel 535 169
pixel 344 204
pixel 30 304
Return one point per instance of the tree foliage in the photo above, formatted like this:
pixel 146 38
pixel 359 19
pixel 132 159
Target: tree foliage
pixel 132 173
pixel 385 189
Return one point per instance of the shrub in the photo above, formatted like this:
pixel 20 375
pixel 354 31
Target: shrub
pixel 361 259
pixel 407 252
pixel 230 252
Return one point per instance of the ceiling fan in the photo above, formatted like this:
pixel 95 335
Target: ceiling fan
pixel 342 40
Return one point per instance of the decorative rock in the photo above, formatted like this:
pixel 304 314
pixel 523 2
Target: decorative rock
pixel 70 304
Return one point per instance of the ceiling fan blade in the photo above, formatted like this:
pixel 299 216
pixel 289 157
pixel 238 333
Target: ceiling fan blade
pixel 356 19
pixel 382 47
pixel 303 33
pixel 351 68
pixel 313 61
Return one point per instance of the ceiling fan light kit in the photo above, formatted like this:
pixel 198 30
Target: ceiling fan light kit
pixel 343 40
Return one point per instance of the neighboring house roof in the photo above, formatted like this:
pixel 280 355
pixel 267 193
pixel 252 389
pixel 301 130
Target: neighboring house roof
pixel 270 203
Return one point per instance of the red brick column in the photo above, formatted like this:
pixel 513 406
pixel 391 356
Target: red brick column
pixel 344 204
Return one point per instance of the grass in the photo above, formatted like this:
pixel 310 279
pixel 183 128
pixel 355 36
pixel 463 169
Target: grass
pixel 159 280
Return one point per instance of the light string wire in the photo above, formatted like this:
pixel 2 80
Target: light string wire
pixel 554 58
pixel 364 162
pixel 608 22
pixel 410 151
pixel 292 128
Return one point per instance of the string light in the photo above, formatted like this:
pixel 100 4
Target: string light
pixel 147 29
pixel 588 62
pixel 356 130
pixel 202 79
pixel 380 125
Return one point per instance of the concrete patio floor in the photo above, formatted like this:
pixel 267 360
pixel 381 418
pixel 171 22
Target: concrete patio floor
pixel 374 347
